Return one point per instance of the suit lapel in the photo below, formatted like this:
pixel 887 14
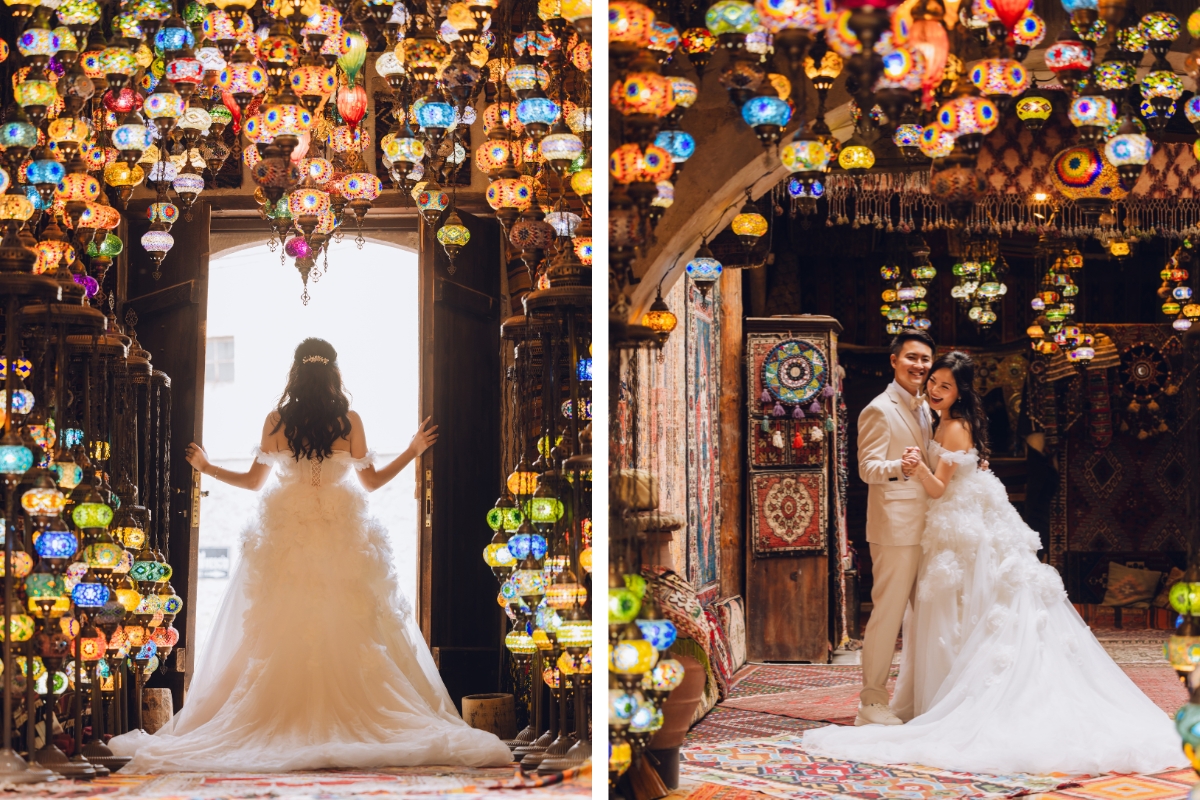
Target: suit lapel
pixel 905 406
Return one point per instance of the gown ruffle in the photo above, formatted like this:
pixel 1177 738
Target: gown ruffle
pixel 314 661
pixel 999 674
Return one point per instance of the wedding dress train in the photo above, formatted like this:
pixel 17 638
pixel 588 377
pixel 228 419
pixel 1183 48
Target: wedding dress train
pixel 999 673
pixel 314 661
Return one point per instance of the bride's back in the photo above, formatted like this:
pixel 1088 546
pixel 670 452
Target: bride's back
pixel 313 420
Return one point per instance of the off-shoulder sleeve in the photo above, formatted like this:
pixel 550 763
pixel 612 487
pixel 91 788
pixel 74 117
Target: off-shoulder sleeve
pixel 366 461
pixel 270 459
pixel 960 457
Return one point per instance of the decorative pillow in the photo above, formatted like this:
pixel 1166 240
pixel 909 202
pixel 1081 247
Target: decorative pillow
pixel 1130 587
pixel 677 600
pixel 1164 596
pixel 732 613
pixel 718 648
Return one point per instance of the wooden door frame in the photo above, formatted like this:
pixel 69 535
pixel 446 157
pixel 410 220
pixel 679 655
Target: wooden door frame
pixel 229 214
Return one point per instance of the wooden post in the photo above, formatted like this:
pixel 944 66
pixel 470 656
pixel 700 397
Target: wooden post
pixel 732 540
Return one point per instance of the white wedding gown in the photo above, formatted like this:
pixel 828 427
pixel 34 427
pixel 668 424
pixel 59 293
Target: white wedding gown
pixel 314 661
pixel 999 673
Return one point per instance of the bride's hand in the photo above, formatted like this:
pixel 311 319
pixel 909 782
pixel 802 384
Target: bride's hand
pixel 424 438
pixel 197 457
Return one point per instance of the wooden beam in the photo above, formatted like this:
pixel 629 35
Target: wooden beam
pixel 732 541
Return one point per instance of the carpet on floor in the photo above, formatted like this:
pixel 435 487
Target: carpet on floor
pixel 829 693
pixel 460 783
pixel 839 704
pixel 779 767
pixel 836 704
pixel 724 724
pixel 761 679
pixel 1173 785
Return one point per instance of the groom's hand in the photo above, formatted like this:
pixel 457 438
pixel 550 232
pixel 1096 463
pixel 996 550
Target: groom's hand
pixel 910 460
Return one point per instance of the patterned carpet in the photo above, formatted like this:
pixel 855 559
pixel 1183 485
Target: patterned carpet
pixel 778 767
pixel 382 784
pixel 746 749
pixel 1165 786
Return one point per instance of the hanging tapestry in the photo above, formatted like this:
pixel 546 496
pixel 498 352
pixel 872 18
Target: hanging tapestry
pixel 787 410
pixel 703 457
pixel 1126 502
pixel 665 409
pixel 786 512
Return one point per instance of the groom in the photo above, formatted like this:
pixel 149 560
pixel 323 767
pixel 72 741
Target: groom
pixel 893 431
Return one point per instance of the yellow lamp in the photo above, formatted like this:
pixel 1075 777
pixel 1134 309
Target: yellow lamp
pixel 659 318
pixel 749 225
pixel 856 157
pixel 632 657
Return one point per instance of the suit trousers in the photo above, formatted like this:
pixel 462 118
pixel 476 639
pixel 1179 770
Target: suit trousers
pixel 894 569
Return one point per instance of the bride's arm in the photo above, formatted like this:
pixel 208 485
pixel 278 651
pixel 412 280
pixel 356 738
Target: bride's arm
pixel 935 483
pixel 373 478
pixel 253 479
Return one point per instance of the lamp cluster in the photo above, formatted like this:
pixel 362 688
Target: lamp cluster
pixel 541 545
pixel 88 605
pixel 1054 329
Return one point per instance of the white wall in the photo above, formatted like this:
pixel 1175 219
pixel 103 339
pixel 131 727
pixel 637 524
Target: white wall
pixel 366 307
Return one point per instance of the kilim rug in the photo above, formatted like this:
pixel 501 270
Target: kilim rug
pixel 460 783
pixel 836 704
pixel 839 704
pixel 724 724
pixel 762 679
pixel 1172 785
pixel 779 767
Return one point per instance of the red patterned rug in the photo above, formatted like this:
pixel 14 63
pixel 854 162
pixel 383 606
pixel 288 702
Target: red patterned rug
pixel 836 704
pixel 725 724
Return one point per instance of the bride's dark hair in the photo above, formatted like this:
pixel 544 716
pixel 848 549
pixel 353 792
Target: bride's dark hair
pixel 313 410
pixel 969 405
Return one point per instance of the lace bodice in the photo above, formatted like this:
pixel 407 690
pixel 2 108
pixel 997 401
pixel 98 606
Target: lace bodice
pixel 313 472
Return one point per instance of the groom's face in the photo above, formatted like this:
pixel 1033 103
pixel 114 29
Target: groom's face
pixel 912 365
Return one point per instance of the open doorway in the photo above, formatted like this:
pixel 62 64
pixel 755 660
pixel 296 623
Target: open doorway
pixel 366 305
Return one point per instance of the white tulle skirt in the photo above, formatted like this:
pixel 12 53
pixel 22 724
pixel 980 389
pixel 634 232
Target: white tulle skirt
pixel 314 661
pixel 999 674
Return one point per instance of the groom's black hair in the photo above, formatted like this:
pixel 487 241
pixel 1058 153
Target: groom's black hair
pixel 912 335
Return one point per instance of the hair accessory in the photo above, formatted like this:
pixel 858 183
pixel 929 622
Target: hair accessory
pixel 313 359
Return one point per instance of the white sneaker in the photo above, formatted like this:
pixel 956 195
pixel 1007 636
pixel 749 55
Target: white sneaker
pixel 876 714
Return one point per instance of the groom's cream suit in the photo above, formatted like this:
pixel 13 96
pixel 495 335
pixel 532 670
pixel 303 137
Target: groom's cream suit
pixel 892 422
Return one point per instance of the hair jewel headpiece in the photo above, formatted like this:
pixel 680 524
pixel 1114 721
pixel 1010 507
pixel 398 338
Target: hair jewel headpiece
pixel 313 359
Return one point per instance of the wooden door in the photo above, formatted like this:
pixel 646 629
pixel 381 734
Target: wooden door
pixel 172 314
pixel 788 593
pixel 457 479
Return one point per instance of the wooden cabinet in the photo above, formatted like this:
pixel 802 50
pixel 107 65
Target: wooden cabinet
pixel 792 540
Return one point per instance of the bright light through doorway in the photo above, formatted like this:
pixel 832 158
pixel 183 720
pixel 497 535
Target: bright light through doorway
pixel 366 307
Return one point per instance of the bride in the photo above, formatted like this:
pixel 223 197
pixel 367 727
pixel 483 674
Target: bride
pixel 999 674
pixel 315 661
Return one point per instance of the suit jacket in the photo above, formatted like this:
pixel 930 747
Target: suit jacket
pixel 895 506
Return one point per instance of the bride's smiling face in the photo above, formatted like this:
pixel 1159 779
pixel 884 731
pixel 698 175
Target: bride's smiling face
pixel 940 390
